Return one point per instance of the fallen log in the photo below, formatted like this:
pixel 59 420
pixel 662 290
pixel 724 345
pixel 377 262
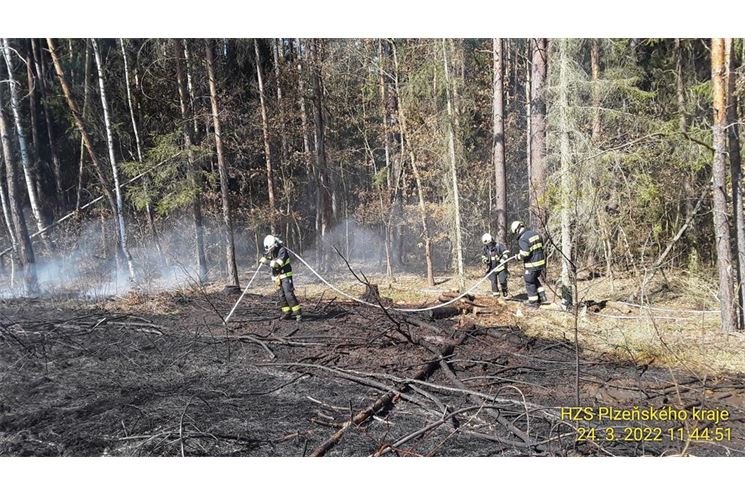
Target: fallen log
pixel 384 401
pixel 442 312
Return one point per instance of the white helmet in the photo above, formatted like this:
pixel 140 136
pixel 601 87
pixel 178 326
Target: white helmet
pixel 270 242
pixel 515 227
pixel 486 238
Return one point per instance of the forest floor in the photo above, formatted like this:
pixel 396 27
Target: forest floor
pixel 160 375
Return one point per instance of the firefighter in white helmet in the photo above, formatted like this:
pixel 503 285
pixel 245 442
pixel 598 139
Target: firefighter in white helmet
pixel 534 262
pixel 277 257
pixel 494 256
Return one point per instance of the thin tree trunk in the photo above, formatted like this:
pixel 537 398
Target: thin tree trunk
pixel 33 99
pixel 319 138
pixel 81 126
pixel 25 250
pixel 232 268
pixel 390 175
pixel 732 125
pixel 21 134
pixel 566 170
pixel 138 143
pixel 425 226
pixel 528 116
pixel 307 160
pixel 285 160
pixel 191 171
pixel 719 193
pixel 595 72
pixel 500 174
pixel 5 207
pixel 121 226
pixel 267 144
pixel 56 164
pixel 86 77
pixel 453 169
pixel 537 186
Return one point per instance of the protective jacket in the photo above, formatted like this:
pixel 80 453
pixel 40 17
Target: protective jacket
pixel 531 250
pixel 494 254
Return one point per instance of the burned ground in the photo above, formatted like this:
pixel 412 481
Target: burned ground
pixel 116 378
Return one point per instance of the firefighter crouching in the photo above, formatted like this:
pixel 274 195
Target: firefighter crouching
pixel 277 257
pixel 534 261
pixel 494 256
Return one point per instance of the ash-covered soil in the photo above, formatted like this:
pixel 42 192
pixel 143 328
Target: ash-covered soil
pixel 162 376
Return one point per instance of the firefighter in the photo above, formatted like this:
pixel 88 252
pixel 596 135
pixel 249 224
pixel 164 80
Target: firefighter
pixel 531 254
pixel 277 257
pixel 494 256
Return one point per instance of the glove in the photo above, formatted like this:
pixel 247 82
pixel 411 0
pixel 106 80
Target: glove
pixel 263 260
pixel 505 255
pixel 276 281
pixel 273 263
pixel 484 259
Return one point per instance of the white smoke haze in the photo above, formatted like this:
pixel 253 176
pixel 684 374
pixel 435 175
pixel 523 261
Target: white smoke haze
pixel 84 265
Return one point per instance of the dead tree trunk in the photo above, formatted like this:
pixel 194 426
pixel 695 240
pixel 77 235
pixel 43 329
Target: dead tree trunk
pixel 191 170
pixel 719 193
pixel 232 268
pixel 119 212
pixel 25 251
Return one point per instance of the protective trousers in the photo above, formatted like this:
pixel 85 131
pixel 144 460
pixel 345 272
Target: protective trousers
pixel 287 300
pixel 499 282
pixel 534 287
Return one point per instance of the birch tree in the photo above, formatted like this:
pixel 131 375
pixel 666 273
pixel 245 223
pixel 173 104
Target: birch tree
pixel 21 135
pixel 119 211
pixel 24 249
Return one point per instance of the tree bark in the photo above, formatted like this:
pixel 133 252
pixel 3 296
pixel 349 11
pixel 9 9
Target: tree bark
pixel 232 268
pixel 595 94
pixel 81 126
pixel 25 250
pixel 537 180
pixel 56 164
pixel 323 217
pixel 453 169
pixel 390 174
pixel 500 173
pixel 732 125
pixel 21 135
pixel 119 212
pixel 719 193
pixel 267 142
pixel 191 170
pixel 81 164
pixel 565 166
